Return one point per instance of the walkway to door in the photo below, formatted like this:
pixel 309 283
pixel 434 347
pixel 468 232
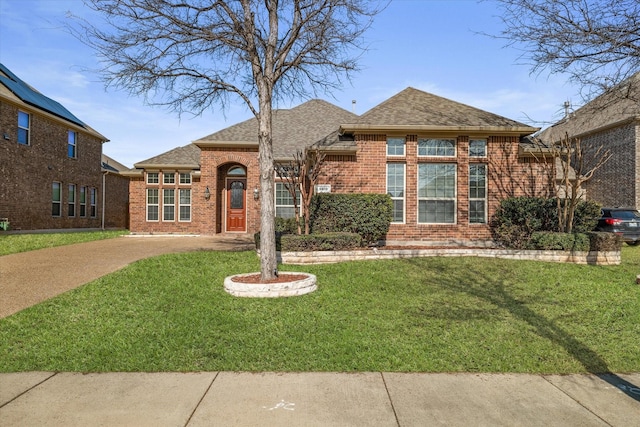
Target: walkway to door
pixel 31 277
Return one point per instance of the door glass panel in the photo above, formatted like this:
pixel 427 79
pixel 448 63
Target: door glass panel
pixel 237 195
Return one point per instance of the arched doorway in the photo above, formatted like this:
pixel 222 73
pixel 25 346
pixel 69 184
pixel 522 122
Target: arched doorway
pixel 236 201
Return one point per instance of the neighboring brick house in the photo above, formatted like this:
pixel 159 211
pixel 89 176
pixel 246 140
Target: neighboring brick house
pixel 612 121
pixel 50 162
pixel 446 165
pixel 116 194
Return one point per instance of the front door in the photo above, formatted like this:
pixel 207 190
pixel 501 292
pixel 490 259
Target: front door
pixel 236 204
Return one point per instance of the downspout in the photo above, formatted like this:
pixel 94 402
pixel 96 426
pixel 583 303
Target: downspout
pixel 104 174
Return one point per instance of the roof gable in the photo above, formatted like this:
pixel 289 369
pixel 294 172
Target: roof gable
pixel 187 156
pixel 415 108
pixel 293 129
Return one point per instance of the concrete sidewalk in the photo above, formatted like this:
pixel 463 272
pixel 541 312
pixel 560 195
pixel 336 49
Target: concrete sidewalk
pixel 317 399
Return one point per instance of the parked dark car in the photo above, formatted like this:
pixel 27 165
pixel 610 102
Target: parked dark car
pixel 622 221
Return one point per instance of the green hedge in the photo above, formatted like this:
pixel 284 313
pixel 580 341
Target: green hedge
pixel 320 242
pixel 368 215
pixel 552 241
pixel 517 218
pixel 607 242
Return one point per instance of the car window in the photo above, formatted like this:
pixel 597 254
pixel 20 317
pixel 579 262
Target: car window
pixel 626 214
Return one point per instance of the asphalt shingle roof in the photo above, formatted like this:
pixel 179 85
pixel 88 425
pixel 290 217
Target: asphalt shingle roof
pixel 293 129
pixel 187 156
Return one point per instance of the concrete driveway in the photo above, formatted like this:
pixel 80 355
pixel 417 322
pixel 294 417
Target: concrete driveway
pixel 31 277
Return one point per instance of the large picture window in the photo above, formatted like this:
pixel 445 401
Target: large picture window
pixel 478 193
pixel 437 193
pixel 437 147
pixel 395 188
pixel 284 201
pixel 153 204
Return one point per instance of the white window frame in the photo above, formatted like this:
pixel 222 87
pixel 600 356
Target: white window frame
pixel 472 140
pixel 425 153
pixel 72 144
pixel 168 177
pixel 156 204
pixel 71 201
pixel 280 187
pixel 171 204
pixel 478 199
pixel 185 178
pixel 26 129
pixel 93 200
pixel 396 139
pixel 83 201
pixel 57 202
pixel 404 192
pixel 436 199
pixel 153 178
pixel 181 205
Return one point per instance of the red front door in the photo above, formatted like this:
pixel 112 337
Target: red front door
pixel 236 204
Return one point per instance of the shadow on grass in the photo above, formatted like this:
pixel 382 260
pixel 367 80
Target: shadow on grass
pixel 493 291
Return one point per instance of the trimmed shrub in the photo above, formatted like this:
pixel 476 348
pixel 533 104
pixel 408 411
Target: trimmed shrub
pixel 320 242
pixel 368 215
pixel 552 241
pixel 517 218
pixel 608 242
pixel 286 225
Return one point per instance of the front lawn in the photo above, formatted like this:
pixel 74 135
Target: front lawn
pixel 14 243
pixel 170 313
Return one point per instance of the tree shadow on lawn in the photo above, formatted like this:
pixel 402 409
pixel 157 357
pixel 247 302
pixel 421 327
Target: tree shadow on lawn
pixel 494 291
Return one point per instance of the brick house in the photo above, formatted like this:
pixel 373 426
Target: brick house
pixel 50 162
pixel 446 165
pixel 611 120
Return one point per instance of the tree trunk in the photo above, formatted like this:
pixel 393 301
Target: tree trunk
pixel 268 260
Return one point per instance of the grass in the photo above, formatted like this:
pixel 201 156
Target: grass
pixel 14 243
pixel 170 313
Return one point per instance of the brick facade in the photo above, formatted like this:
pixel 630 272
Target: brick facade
pixel 29 171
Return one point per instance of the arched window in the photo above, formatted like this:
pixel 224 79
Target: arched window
pixel 236 171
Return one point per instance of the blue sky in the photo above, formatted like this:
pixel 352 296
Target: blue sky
pixel 432 45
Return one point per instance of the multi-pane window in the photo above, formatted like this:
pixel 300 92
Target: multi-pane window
pixel 71 201
pixel 184 209
pixel 478 148
pixel 436 193
pixel 169 177
pixel 395 146
pixel 93 199
pixel 153 178
pixel 437 147
pixel 395 188
pixel 56 200
pixel 477 193
pixel 168 204
pixel 24 127
pixel 72 147
pixel 284 201
pixel 185 178
pixel 152 204
pixel 83 201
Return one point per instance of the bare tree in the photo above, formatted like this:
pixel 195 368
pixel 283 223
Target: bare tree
pixel 190 55
pixel 595 42
pixel 300 175
pixel 574 164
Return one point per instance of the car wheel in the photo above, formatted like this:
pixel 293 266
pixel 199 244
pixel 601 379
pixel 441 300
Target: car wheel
pixel 636 243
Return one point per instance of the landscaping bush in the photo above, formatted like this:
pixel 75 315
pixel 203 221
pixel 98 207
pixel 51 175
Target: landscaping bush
pixel 607 242
pixel 368 215
pixel 286 225
pixel 320 242
pixel 517 218
pixel 552 241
